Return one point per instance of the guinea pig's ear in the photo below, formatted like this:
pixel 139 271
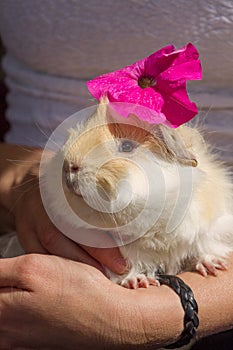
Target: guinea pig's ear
pixel 107 113
pixel 174 145
pixel 102 110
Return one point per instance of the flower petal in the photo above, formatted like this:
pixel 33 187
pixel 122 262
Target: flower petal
pixel 187 71
pixel 149 98
pixel 145 103
pixel 114 82
pixel 177 107
pixel 167 99
pixel 186 53
pixel 186 65
pixel 126 110
pixel 159 62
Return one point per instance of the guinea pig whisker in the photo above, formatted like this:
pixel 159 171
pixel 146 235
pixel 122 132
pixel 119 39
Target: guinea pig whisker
pixel 105 192
pixel 96 203
pixel 99 204
pixel 19 161
pixel 24 183
pixel 46 135
pixel 31 188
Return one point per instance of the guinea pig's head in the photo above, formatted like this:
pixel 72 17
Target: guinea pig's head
pixel 107 162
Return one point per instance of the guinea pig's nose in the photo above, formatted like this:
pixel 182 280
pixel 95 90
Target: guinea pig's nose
pixel 74 168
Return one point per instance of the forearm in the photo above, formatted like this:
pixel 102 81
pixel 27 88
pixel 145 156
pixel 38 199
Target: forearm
pixel 135 319
pixel 215 298
pixel 158 315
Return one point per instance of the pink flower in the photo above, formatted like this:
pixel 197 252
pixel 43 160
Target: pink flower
pixel 157 82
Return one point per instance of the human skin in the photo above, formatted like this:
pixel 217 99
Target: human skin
pixel 22 207
pixel 46 301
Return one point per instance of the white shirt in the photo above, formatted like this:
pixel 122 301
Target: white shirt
pixel 54 47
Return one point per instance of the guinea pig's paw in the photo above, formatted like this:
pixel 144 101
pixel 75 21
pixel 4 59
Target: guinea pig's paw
pixel 209 265
pixel 139 281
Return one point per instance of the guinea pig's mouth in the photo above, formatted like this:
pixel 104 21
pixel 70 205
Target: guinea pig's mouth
pixel 77 194
pixel 71 185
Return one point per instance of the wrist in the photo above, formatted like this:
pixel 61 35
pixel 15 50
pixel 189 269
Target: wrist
pixel 150 316
pixel 141 317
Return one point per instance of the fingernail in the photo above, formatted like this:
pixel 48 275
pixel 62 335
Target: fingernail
pixel 120 264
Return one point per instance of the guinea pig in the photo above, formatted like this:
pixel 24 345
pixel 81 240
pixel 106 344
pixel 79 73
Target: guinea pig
pixel 159 191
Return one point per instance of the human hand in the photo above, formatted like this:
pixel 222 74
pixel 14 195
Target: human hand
pixel 35 231
pixel 47 302
pixel 37 234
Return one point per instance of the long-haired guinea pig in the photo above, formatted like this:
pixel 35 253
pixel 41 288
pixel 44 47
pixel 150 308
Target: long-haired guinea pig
pixel 159 189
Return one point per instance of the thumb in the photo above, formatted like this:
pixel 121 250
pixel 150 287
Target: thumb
pixel 110 257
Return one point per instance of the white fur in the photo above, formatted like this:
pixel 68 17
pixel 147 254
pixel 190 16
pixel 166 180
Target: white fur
pixel 204 234
pixel 199 235
pixel 187 212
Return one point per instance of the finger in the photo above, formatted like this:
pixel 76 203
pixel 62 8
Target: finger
pixel 9 273
pixel 110 257
pixel 58 244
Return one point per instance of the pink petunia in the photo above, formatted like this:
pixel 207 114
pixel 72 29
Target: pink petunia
pixel 157 82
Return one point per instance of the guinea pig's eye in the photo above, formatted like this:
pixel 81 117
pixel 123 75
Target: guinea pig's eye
pixel 126 146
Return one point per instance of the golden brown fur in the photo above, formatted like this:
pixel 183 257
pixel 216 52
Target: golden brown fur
pixel 201 237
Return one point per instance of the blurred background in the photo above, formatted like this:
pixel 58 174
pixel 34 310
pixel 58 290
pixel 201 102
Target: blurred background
pixel 4 125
